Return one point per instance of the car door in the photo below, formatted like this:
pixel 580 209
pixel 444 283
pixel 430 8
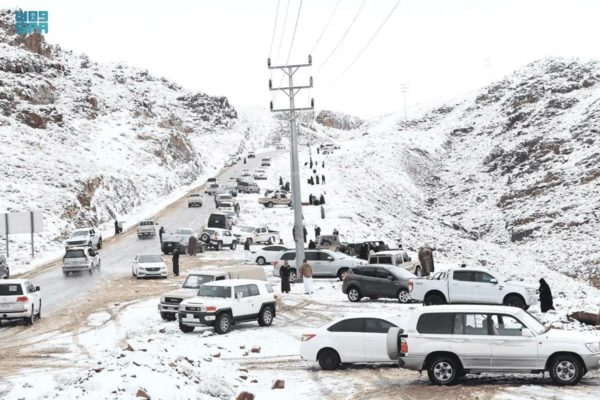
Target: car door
pixel 485 288
pixel 227 238
pixel 347 338
pixel 510 348
pixel 368 285
pixel 327 263
pixel 384 284
pixel 35 296
pixel 243 302
pixel 461 286
pixel 472 339
pixel 374 338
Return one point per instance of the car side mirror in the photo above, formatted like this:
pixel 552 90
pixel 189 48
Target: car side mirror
pixel 526 332
pixel 494 281
pixel 37 288
pixel 330 258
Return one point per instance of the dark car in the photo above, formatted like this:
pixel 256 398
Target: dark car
pixel 4 271
pixel 247 187
pixel 219 220
pixel 375 281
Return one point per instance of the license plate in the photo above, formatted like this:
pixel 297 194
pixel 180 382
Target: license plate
pixel 209 318
pixel 189 316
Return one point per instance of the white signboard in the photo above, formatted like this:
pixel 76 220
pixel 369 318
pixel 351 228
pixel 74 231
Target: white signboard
pixel 21 222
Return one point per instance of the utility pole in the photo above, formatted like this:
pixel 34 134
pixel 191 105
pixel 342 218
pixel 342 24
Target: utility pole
pixel 291 91
pixel 403 90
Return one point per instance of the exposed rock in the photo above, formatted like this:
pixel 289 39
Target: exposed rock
pixel 245 396
pixel 278 384
pixel 141 393
pixel 338 120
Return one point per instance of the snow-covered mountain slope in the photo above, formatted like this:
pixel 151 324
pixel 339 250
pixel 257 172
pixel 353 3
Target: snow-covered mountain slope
pixel 86 143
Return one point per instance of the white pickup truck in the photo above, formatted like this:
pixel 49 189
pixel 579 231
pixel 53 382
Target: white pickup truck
pixel 277 198
pixel 261 234
pixel 84 237
pixel 468 285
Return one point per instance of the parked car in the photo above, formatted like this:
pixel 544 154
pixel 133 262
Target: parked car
pixel 224 197
pixel 247 187
pixel 169 302
pixel 230 187
pixel 20 299
pixel 261 234
pixel 452 341
pixel 265 162
pixel 177 240
pixel 148 266
pixel 212 188
pixel 195 200
pixel 226 206
pixel 267 254
pixel 251 154
pixel 280 147
pixel 216 238
pixel 146 228
pixel 85 237
pixel 278 198
pixel 325 263
pixel 330 242
pixel 349 340
pixel 399 258
pixel 375 281
pixel 473 285
pixel 210 180
pixel 224 303
pixel 219 220
pixel 260 174
pixel 230 162
pixel 4 270
pixel 78 259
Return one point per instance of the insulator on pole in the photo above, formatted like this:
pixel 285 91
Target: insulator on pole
pixel 309 59
pixel 271 103
pixel 311 81
pixel 269 61
pixel 270 84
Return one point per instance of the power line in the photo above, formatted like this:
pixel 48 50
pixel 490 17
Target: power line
pixel 343 36
pixel 274 28
pixel 287 6
pixel 294 34
pixel 325 27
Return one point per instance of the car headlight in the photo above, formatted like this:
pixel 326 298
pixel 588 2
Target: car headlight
pixel 593 347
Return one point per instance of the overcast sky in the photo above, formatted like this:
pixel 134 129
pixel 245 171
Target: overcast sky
pixel 440 48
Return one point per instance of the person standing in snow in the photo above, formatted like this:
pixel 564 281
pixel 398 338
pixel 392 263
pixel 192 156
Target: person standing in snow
pixel 176 262
pixel 160 233
pixel 546 303
pixel 307 277
pixel 364 251
pixel 304 231
pixel 317 232
pixel 322 212
pixel 322 199
pixel 317 150
pixel 311 163
pixel 287 186
pixel 311 245
pixel 317 179
pixel 116 227
pixel 323 179
pixel 426 260
pixel 310 199
pixel 284 273
pixel 247 250
pixel 237 209
pixel 244 160
pixel 336 232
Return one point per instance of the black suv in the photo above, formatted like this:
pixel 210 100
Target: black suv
pixel 375 281
pixel 4 271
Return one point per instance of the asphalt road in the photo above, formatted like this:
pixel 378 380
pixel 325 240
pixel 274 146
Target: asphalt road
pixel 58 291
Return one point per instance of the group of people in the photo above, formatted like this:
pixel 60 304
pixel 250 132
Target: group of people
pixel 314 201
pixel 306 273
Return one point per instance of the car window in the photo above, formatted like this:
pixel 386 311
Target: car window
pixel 194 281
pixel 506 325
pixel 465 276
pixel 289 256
pixel 311 255
pixel 242 291
pixel 483 277
pixel 30 287
pixel 75 254
pixel 376 325
pixel 383 273
pixel 253 289
pixel 348 325
pixel 10 289
pixel 368 271
pixel 477 324
pixel 385 260
pixel 436 323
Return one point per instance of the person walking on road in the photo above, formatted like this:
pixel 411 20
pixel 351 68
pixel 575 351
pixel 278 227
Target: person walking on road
pixel 176 262
pixel 247 250
pixel 160 233
pixel 284 272
pixel 192 245
pixel 307 277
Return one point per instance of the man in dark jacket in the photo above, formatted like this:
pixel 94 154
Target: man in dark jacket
pixel 323 165
pixel 317 150
pixel 116 227
pixel 284 273
pixel 287 186
pixel 312 245
pixel 280 181
pixel 364 251
pixel 317 179
pixel 322 199
pixel 426 260
pixel 304 230
pixel 310 199
pixel 176 262
pixel 247 250
pixel 546 303
pixel 244 160
pixel 323 179
pixel 160 233
pixel 317 232
pixel 311 163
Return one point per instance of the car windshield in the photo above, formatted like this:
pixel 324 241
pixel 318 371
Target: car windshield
pixel 143 223
pixel 194 281
pixel 79 234
pixel 194 195
pixel 149 258
pixel 183 232
pixel 75 254
pixel 214 291
pixel 531 322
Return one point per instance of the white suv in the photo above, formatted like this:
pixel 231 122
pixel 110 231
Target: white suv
pixel 221 304
pixel 19 299
pixel 454 340
pixel 217 238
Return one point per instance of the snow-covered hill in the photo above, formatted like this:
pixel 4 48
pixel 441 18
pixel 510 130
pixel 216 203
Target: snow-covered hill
pixel 86 143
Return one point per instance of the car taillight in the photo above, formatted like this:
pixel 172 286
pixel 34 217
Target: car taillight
pixel 403 346
pixel 307 336
pixel 211 308
pixel 410 285
pixel 22 299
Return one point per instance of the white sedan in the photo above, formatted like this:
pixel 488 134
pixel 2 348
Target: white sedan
pixel 267 254
pixel 349 340
pixel 148 265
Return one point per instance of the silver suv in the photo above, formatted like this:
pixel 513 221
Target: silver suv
pixel 324 263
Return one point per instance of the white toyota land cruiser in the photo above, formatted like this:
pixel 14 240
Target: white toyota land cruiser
pixel 221 304
pixel 451 341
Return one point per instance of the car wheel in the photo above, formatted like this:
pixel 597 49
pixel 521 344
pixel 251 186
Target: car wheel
pixel 433 299
pixel 65 273
pixel 233 245
pixel 342 273
pixel 205 237
pixel 443 370
pixel 223 324
pixel 354 295
pixel 403 296
pixel 219 245
pixel 185 328
pixel 565 369
pixel 31 319
pixel 328 359
pixel 261 260
pixel 269 205
pixel 514 300
pixel 167 316
pixel 265 318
